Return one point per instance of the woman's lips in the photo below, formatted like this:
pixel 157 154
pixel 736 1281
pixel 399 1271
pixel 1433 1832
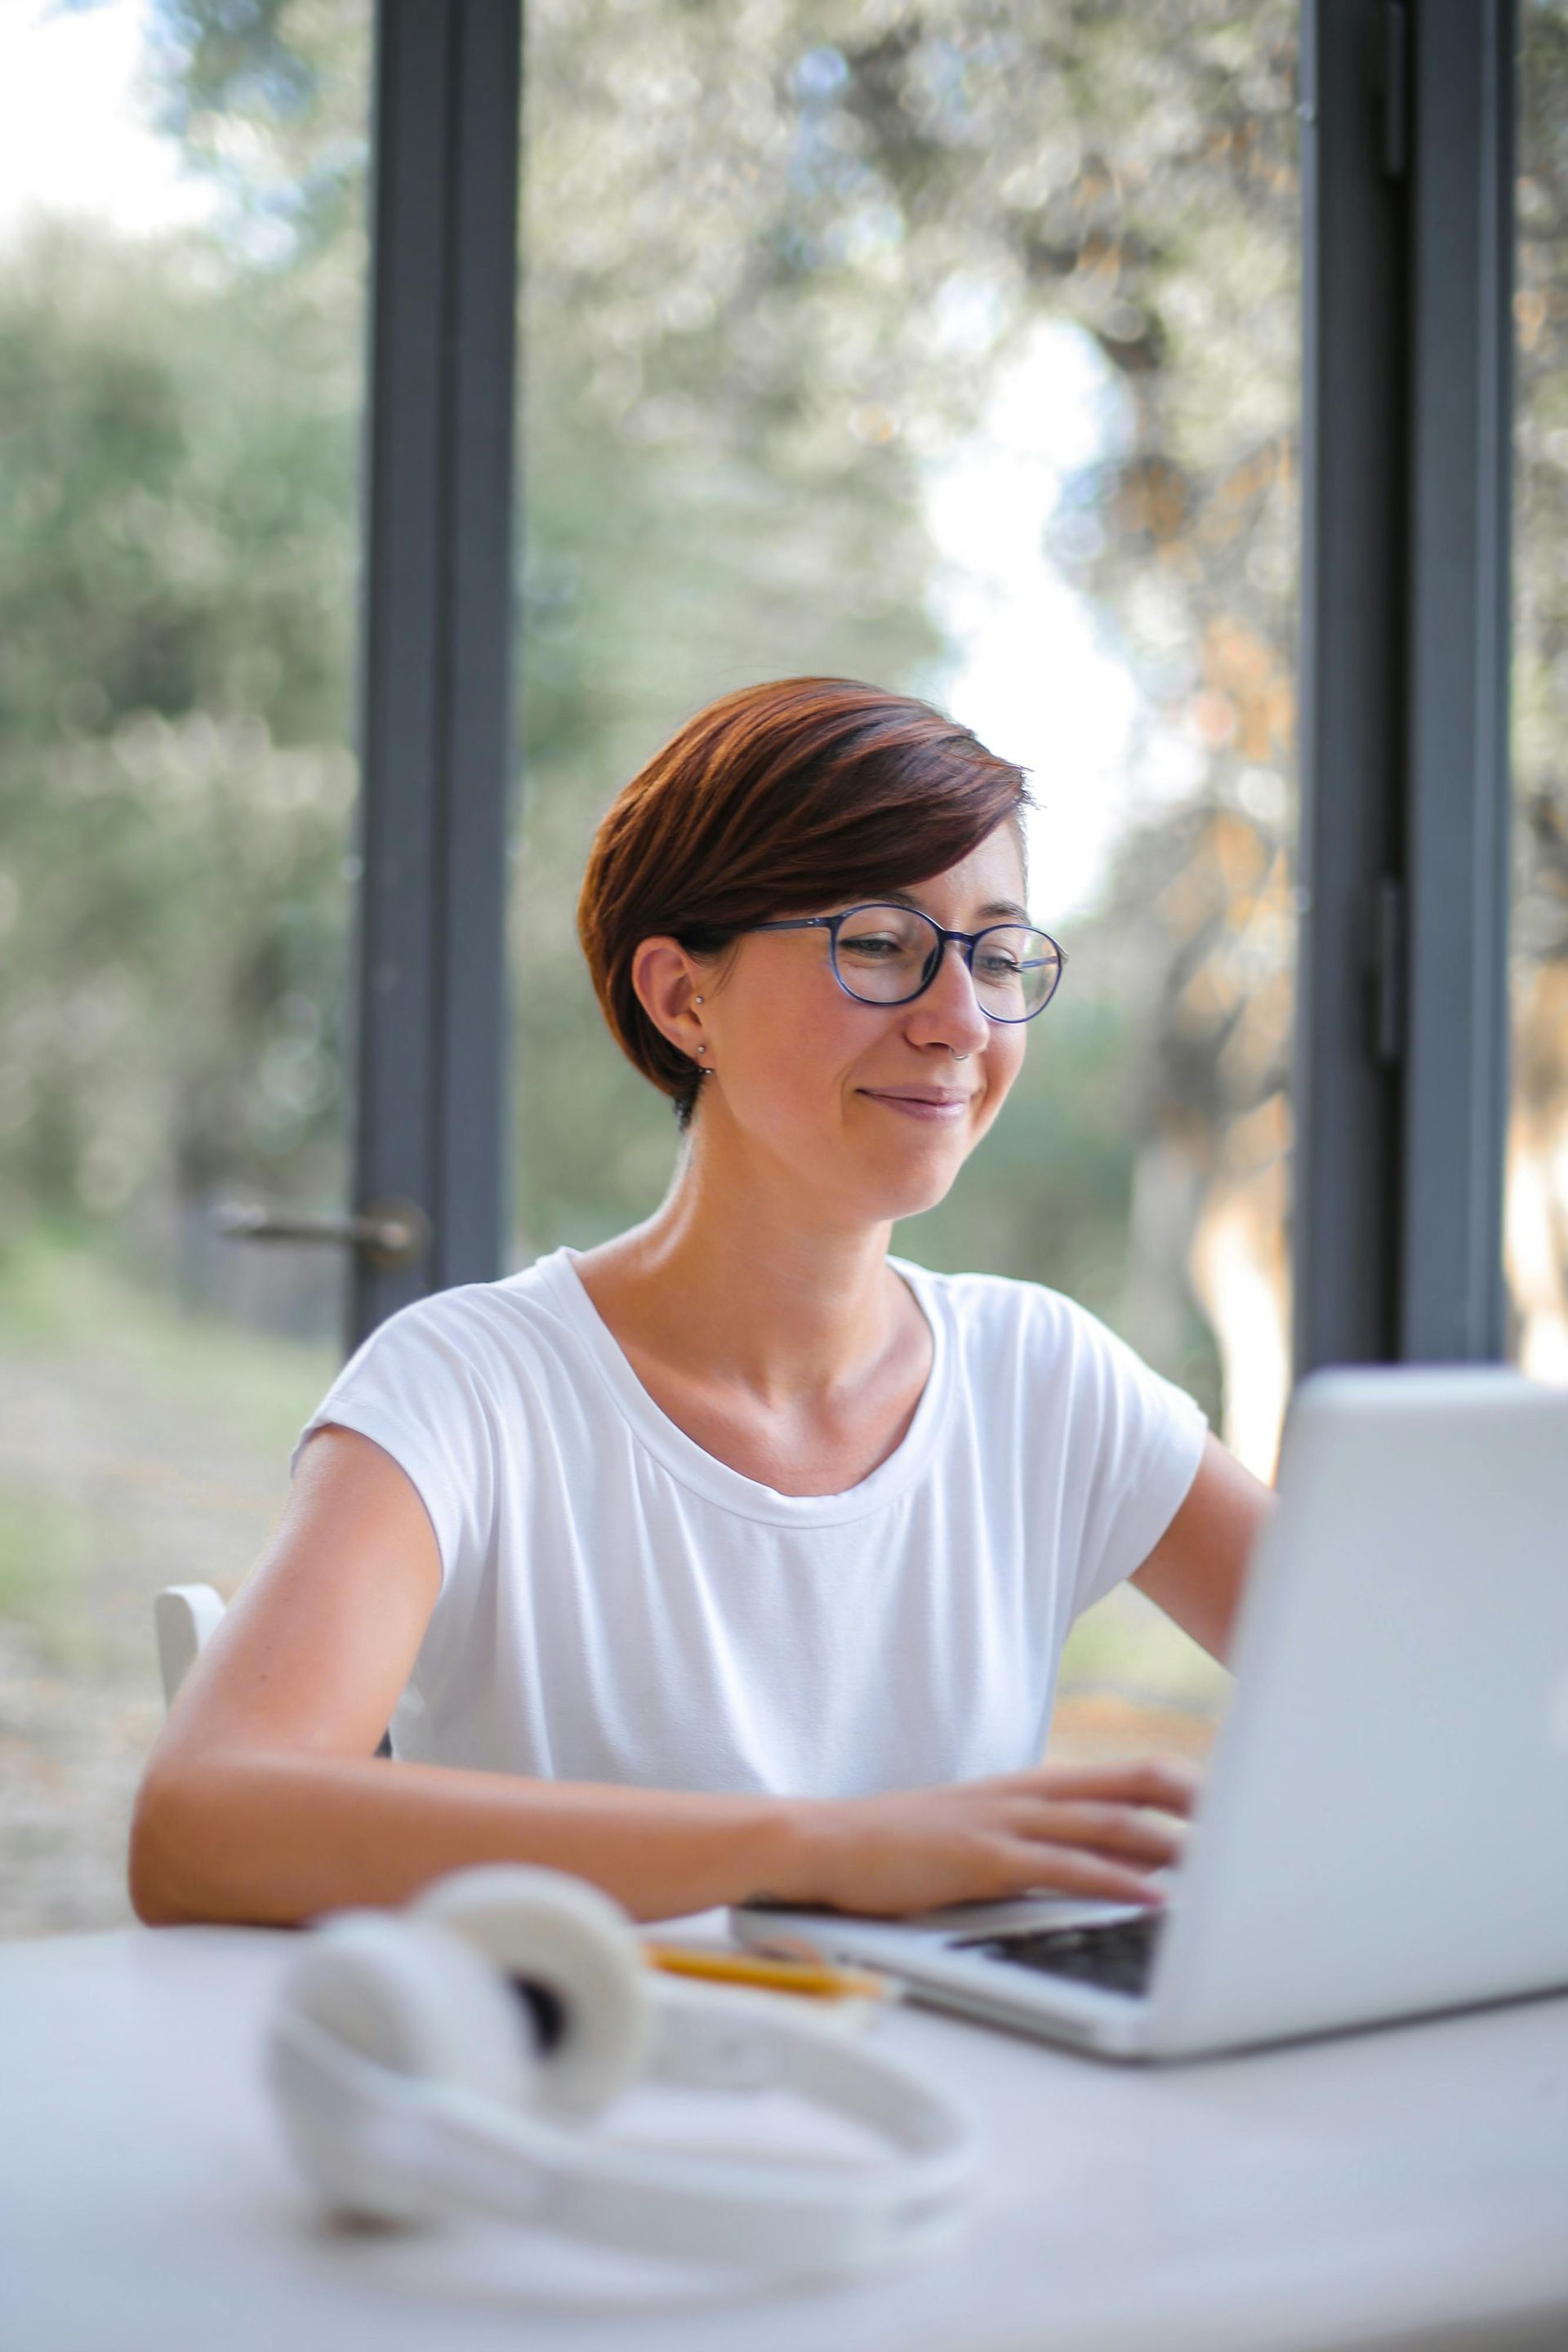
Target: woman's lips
pixel 920 1102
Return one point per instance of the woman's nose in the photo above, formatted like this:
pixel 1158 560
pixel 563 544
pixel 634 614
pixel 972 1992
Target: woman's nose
pixel 948 1013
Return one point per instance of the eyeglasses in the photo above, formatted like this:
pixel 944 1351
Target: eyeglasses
pixel 887 954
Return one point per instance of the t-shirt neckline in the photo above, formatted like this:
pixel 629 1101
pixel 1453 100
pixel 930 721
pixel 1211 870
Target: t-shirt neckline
pixel 698 1469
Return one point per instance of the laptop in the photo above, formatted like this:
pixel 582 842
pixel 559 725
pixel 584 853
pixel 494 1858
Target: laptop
pixel 1382 1831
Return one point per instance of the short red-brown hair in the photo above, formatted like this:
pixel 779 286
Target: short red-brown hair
pixel 782 799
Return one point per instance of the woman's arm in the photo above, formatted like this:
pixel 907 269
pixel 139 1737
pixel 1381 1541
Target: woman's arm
pixel 263 1800
pixel 1197 1570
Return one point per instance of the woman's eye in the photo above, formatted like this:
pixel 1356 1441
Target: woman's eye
pixel 872 944
pixel 1000 967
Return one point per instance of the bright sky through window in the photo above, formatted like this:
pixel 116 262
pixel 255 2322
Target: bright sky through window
pixel 74 134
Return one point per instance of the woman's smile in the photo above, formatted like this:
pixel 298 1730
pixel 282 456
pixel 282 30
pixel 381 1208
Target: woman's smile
pixel 943 1105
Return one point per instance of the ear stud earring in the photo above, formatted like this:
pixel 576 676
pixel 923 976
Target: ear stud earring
pixel 701 1049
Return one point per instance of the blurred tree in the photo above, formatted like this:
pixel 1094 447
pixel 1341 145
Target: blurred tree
pixel 1537 1199
pixel 177 570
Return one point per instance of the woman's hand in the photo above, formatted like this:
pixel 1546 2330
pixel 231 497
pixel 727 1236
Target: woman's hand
pixel 1096 1830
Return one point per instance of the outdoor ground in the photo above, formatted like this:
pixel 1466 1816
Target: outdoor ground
pixel 140 1448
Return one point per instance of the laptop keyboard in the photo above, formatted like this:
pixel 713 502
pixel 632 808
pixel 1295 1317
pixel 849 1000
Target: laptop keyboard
pixel 1116 1953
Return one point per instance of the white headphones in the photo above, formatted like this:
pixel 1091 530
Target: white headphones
pixel 450 2055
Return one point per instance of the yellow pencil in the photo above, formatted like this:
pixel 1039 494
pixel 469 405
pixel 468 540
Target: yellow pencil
pixel 811 1976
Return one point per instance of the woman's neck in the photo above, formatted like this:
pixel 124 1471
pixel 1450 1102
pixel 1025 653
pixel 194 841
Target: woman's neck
pixel 747 1284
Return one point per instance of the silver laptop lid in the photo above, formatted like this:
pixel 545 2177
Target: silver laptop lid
pixel 1384 1828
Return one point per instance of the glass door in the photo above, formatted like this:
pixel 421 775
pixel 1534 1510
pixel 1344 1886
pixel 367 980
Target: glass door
pixel 182 330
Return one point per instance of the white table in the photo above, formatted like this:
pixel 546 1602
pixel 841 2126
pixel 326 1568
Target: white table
pixel 1406 2187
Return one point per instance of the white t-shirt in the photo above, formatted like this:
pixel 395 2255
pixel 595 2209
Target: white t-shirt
pixel 617 1605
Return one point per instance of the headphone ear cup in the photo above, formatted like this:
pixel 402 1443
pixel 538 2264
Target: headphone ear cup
pixel 575 1946
pixel 405 1997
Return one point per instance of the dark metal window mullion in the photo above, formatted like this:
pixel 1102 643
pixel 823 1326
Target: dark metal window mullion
pixel 432 1096
pixel 481 325
pixel 1452 1296
pixel 1401 1085
pixel 1347 1091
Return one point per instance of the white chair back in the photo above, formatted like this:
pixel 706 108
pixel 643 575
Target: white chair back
pixel 184 1616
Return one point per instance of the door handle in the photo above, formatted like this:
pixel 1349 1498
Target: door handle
pixel 388 1233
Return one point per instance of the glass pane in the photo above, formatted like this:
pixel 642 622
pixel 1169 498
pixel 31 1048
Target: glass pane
pixel 953 346
pixel 181 330
pixel 1536 1215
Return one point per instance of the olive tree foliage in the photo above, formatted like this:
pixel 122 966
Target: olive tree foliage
pixel 1540 459
pixel 176 582
pixel 1537 1192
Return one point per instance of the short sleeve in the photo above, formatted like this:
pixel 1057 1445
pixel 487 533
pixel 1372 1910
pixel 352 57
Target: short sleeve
pixel 415 1389
pixel 1136 1443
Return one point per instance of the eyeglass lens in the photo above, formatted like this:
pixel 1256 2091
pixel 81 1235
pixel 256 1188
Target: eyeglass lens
pixel 885 955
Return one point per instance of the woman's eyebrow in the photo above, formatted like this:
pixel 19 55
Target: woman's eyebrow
pixel 1003 910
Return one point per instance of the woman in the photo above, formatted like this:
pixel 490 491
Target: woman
pixel 732 1558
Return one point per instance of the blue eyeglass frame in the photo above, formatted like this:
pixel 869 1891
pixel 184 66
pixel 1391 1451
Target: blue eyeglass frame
pixel 967 940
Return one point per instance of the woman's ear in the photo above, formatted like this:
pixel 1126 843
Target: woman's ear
pixel 668 981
